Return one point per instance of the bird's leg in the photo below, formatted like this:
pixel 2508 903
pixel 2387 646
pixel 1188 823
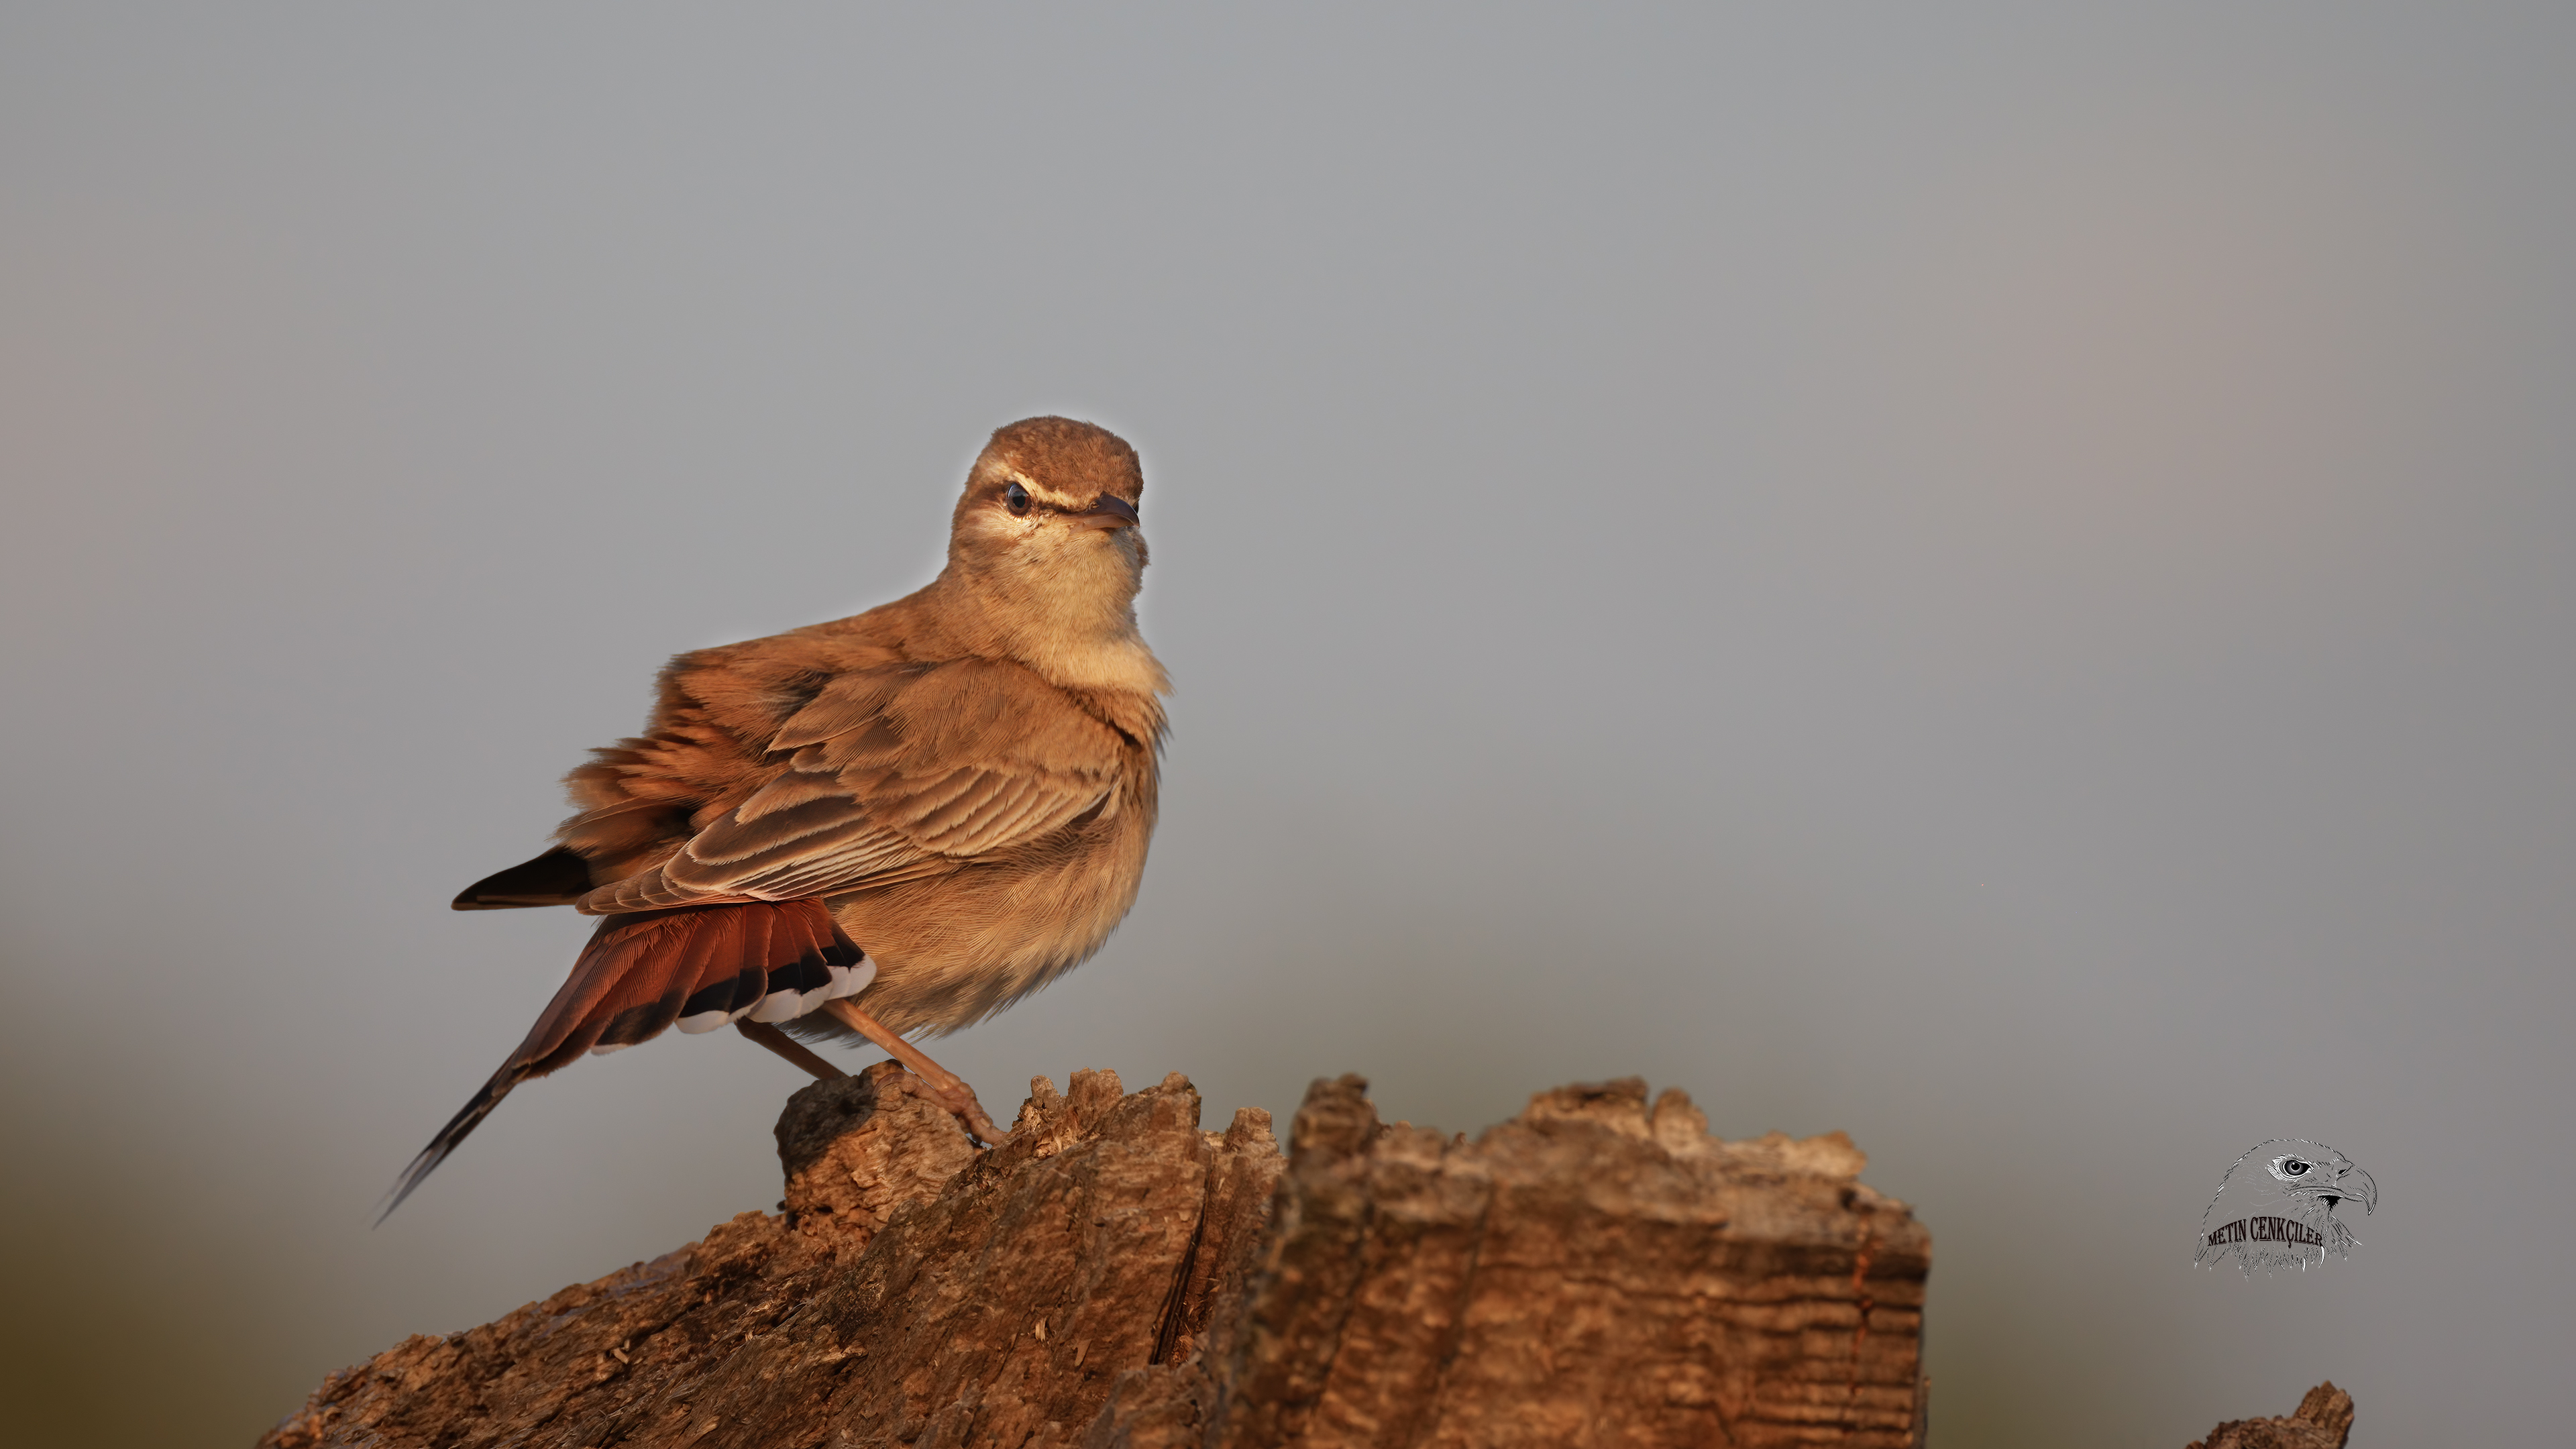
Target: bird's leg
pixel 790 1048
pixel 947 1086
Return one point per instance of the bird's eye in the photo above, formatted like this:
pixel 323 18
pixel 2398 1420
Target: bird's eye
pixel 2293 1167
pixel 1016 498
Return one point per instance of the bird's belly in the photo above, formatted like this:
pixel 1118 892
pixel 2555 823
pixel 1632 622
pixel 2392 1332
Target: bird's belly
pixel 954 949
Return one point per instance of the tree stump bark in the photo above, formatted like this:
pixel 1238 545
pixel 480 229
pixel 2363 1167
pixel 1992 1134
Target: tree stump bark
pixel 1594 1272
pixel 2323 1420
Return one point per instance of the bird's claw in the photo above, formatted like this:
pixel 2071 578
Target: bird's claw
pixel 978 1124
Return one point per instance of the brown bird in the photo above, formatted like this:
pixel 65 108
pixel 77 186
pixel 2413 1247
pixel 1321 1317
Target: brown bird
pixel 896 823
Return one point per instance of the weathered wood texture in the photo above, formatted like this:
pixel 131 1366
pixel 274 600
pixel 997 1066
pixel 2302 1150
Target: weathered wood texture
pixel 1594 1272
pixel 2323 1420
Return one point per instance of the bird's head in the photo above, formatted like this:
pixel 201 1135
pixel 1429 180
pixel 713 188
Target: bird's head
pixel 1047 539
pixel 2312 1173
pixel 2276 1207
pixel 1050 505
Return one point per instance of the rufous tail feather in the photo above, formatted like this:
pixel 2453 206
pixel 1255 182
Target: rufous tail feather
pixel 694 967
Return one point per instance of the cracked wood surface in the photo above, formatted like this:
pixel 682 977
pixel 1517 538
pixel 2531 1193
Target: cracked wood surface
pixel 1594 1272
pixel 2323 1420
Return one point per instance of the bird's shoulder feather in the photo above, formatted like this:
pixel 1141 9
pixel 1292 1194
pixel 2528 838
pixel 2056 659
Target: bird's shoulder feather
pixel 705 746
pixel 830 760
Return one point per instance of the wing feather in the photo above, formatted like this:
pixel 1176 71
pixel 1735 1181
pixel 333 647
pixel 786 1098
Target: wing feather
pixel 895 774
pixel 848 702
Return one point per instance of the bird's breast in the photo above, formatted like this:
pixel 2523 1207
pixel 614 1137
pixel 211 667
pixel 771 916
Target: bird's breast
pixel 955 948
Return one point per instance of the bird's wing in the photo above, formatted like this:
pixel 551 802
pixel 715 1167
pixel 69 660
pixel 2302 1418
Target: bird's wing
pixel 557 878
pixel 895 774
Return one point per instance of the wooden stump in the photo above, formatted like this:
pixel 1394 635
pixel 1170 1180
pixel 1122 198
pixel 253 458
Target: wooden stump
pixel 2323 1420
pixel 1593 1272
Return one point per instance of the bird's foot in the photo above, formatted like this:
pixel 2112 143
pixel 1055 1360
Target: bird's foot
pixel 949 1088
pixel 969 1113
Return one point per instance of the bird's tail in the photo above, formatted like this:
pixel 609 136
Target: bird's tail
pixel 694 967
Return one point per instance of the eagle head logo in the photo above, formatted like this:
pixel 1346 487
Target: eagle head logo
pixel 2275 1208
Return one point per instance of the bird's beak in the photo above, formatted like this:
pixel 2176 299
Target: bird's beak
pixel 2357 1187
pixel 1106 511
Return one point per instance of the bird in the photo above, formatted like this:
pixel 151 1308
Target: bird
pixel 889 825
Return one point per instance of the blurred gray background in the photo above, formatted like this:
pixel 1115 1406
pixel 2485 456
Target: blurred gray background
pixel 1996 579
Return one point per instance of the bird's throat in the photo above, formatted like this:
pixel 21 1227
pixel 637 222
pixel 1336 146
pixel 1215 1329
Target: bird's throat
pixel 1073 627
